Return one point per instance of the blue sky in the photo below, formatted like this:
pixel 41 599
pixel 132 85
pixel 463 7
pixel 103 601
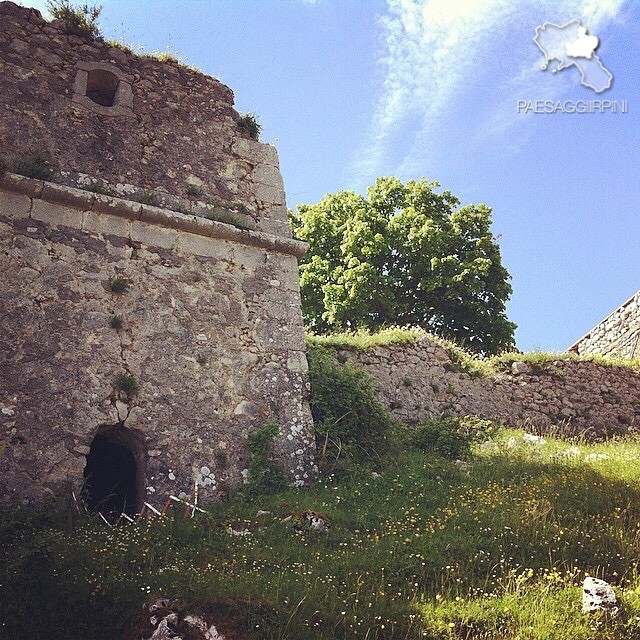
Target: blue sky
pixel 349 90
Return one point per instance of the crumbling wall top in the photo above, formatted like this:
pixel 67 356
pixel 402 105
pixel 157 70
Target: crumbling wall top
pixel 131 125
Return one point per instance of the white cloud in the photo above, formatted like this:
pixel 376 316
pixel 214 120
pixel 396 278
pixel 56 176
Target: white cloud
pixel 430 49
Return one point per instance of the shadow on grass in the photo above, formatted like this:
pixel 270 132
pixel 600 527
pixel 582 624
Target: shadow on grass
pixel 423 529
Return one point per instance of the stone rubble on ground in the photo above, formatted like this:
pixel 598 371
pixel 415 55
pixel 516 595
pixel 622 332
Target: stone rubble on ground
pixel 598 595
pixel 239 532
pixel 530 438
pixel 593 457
pixel 170 624
pixel 463 466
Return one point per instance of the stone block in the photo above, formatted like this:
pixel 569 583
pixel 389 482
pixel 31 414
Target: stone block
pixel 14 205
pixel 56 214
pixel 251 258
pixel 190 243
pixel 153 236
pixel 117 207
pixel 255 152
pixel 297 362
pixel 598 595
pixel 106 225
pixel 269 195
pixel 275 228
pixel 268 175
pixel 68 196
pixel 21 184
pixel 277 212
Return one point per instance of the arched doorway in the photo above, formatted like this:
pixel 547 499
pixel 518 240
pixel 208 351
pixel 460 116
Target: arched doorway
pixel 112 474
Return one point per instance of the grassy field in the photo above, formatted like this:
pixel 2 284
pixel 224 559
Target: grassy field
pixel 496 547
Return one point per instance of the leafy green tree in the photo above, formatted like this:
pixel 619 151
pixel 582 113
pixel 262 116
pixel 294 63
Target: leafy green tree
pixel 404 255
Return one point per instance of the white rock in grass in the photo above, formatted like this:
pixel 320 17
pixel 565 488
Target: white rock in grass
pixel 533 439
pixel 171 624
pixel 463 466
pixel 598 595
pixel 591 457
pixel 208 632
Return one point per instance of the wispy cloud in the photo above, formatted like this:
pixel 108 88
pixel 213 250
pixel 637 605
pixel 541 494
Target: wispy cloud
pixel 430 49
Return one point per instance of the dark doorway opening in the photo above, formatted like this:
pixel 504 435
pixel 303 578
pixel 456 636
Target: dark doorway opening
pixel 111 476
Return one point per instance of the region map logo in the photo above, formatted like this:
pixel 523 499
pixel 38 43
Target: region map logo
pixel 570 45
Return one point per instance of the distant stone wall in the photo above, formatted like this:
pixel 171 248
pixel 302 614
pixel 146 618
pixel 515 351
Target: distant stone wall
pixel 618 335
pixel 420 380
pixel 171 131
pixel 211 330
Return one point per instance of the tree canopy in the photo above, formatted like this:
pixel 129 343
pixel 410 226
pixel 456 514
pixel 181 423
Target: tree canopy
pixel 405 256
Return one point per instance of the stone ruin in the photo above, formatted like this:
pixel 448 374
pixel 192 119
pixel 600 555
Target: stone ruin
pixel 618 335
pixel 150 300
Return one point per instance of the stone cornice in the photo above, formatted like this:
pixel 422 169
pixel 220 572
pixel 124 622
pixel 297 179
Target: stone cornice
pixel 130 210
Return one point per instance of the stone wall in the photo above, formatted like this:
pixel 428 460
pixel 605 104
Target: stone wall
pixel 211 330
pixel 209 325
pixel 618 335
pixel 171 130
pixel 422 380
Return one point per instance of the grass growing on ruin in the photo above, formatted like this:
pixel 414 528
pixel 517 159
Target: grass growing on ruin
pixel 542 359
pixel 79 21
pixel 248 122
pixel 34 165
pixel 429 548
pixel 461 359
pixel 363 340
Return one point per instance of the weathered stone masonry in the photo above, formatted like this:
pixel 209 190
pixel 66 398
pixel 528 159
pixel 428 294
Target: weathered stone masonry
pixel 421 380
pixel 211 327
pixel 171 130
pixel 618 335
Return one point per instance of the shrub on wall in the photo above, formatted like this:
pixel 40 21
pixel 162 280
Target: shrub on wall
pixel 351 426
pixel 78 21
pixel 34 165
pixel 250 125
pixel 265 475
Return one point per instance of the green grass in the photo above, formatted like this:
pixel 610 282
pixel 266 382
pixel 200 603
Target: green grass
pixel 162 56
pixel 542 359
pixel 79 21
pixel 34 165
pixel 126 383
pixel 363 340
pixel 426 549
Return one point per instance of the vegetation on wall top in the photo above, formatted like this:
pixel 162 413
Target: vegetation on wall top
pixel 34 165
pixel 78 20
pixel 363 340
pixel 248 122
